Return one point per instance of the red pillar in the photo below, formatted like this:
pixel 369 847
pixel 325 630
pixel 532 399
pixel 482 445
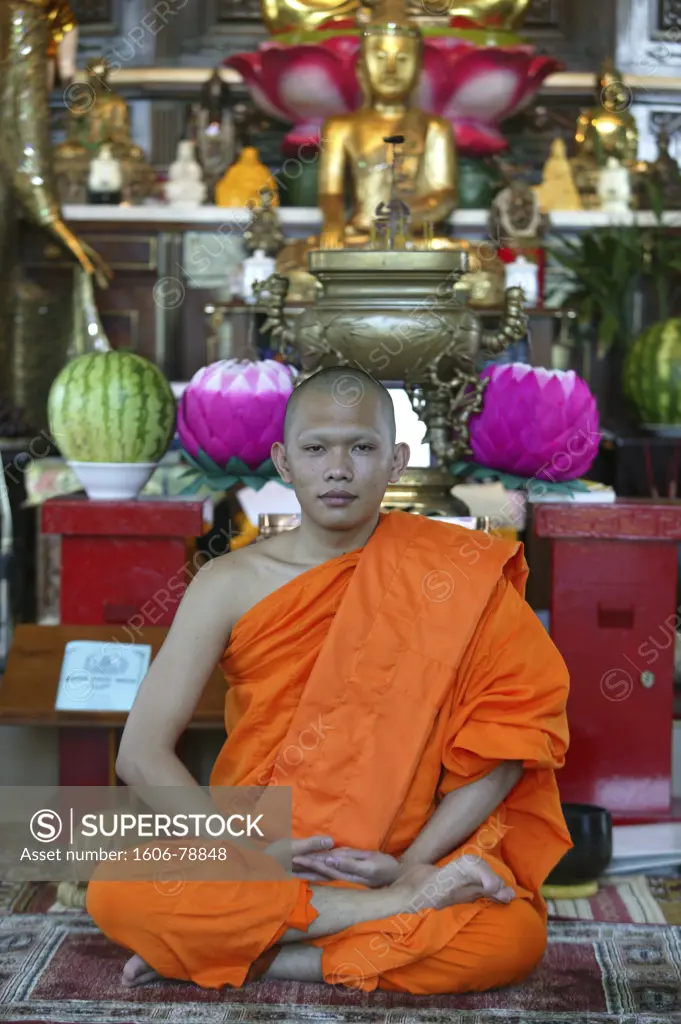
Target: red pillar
pixel 613 618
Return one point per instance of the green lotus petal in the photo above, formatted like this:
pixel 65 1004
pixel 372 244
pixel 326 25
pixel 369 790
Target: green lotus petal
pixel 237 467
pixel 221 478
pixel 207 465
pixel 186 457
pixel 255 482
pixel 267 468
pixel 474 471
pixel 202 463
pixel 193 486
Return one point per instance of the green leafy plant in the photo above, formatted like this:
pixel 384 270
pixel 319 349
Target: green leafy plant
pixel 608 264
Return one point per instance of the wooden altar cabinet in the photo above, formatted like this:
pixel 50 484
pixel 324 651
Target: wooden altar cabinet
pixel 124 568
pixel 614 612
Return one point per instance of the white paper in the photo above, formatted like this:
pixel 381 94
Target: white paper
pixel 640 865
pixel 656 839
pixel 101 676
pixel 410 429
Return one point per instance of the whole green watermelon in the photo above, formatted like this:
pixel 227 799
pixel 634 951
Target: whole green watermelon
pixel 652 374
pixel 111 407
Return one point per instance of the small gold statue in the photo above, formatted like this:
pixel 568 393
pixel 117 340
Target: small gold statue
pixel 558 190
pixel 610 128
pixel 307 15
pixel 389 68
pixel 98 116
pixel 264 232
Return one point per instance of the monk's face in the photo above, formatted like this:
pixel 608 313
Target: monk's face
pixel 339 456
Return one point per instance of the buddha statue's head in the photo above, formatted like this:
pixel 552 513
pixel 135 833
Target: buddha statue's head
pixel 615 97
pixel 98 73
pixel 391 53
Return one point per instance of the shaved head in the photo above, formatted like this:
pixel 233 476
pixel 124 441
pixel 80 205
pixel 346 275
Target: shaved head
pixel 347 387
pixel 339 450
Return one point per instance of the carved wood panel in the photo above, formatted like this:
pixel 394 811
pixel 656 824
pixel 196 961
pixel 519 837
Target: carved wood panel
pixel 238 10
pixel 543 14
pixel 93 12
pixel 581 33
pixel 669 15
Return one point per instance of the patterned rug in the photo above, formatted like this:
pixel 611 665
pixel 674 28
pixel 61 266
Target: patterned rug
pixel 621 965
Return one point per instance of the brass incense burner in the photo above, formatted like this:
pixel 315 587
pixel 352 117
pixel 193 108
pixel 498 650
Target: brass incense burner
pixel 400 316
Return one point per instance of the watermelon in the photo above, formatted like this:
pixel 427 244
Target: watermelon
pixel 111 407
pixel 652 374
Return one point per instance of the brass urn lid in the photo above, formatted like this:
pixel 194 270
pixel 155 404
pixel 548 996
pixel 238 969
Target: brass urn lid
pixel 394 261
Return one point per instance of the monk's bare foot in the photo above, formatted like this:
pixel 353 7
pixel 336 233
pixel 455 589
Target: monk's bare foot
pixel 297 962
pixel 137 972
pixel 461 881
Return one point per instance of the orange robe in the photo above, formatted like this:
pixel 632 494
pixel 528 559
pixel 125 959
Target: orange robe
pixel 373 685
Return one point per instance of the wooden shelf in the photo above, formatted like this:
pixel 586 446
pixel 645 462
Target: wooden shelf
pixel 29 688
pixel 563 83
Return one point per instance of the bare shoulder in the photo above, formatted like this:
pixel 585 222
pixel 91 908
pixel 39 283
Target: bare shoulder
pixel 249 574
pixel 258 556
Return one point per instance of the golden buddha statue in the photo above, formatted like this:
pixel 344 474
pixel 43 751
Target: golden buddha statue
pixel 98 116
pixel 104 117
pixel 606 130
pixel 426 176
pixel 307 15
pixel 610 128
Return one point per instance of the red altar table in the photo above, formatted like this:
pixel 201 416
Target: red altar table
pixel 123 563
pixel 613 618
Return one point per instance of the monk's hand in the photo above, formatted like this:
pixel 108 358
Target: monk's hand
pixel 459 881
pixel 345 864
pixel 287 851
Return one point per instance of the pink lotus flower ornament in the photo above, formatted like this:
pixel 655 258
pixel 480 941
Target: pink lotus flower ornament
pixel 474 87
pixel 536 423
pixel 234 409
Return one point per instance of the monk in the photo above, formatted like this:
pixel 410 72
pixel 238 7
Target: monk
pixel 426 815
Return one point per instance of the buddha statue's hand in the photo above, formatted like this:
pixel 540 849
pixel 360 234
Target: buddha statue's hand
pixel 345 864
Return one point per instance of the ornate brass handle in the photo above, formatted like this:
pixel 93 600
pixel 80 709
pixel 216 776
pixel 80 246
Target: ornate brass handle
pixel 271 295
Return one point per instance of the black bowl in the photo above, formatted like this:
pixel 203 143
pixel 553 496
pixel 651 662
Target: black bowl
pixel 591 831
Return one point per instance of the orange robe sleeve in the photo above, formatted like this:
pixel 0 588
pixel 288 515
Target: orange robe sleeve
pixel 509 704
